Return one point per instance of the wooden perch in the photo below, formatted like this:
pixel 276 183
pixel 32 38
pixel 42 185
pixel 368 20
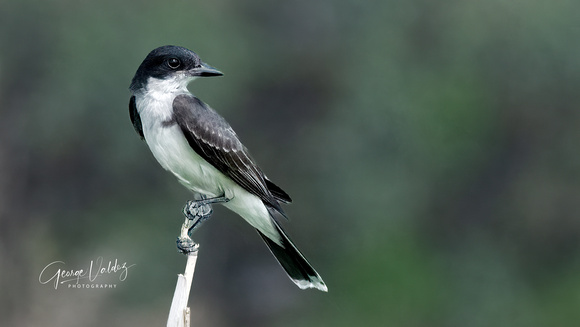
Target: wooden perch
pixel 179 312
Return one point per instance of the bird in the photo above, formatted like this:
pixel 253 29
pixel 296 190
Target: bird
pixel 192 141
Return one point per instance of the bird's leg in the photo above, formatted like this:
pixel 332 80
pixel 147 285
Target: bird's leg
pixel 199 211
pixel 196 212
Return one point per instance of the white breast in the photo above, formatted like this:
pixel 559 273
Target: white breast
pixel 167 142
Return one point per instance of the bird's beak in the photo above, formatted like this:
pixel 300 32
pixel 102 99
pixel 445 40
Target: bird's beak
pixel 205 70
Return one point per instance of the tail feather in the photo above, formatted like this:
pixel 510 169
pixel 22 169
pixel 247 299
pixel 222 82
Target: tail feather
pixel 293 262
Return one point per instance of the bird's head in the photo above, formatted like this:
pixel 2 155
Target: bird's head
pixel 171 65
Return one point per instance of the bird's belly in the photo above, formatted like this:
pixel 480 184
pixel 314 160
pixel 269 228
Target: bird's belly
pixel 174 154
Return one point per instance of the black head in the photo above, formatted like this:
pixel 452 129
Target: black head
pixel 171 61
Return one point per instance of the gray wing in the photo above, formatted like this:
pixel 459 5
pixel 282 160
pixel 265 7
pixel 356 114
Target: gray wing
pixel 215 141
pixel 135 118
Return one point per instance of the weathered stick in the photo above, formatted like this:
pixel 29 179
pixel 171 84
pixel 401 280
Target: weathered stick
pixel 179 312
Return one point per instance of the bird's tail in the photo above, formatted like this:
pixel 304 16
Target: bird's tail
pixel 293 262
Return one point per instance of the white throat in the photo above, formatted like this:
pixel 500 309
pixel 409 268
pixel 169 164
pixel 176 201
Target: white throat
pixel 156 99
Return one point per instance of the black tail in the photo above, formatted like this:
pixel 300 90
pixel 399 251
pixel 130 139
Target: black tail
pixel 293 262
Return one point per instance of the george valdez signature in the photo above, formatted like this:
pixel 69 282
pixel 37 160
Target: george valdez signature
pixel 57 274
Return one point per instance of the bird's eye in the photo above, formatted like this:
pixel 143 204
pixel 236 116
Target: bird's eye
pixel 173 63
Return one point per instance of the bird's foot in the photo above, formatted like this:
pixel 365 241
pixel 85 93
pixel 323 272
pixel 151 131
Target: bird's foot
pixel 186 245
pixel 196 212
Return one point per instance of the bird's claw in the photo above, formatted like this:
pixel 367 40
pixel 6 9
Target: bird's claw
pixel 186 245
pixel 195 210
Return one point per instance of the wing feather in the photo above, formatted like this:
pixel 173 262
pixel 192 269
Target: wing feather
pixel 215 141
pixel 135 118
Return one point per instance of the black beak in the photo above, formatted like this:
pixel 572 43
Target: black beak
pixel 205 70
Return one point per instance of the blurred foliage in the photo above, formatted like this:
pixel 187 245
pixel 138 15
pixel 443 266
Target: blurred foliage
pixel 431 149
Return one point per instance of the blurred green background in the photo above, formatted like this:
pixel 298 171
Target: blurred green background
pixel 431 149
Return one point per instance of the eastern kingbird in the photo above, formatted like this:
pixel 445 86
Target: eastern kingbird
pixel 197 145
